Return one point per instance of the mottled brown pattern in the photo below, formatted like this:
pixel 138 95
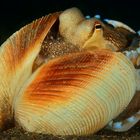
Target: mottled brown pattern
pixel 115 37
pixel 129 35
pixel 120 37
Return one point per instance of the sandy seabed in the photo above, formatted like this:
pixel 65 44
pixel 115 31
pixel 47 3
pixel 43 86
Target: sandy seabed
pixel 19 134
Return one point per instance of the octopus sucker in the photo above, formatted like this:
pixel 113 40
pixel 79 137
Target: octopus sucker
pixel 70 72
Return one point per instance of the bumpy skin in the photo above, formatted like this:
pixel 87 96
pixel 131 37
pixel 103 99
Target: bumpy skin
pixel 66 74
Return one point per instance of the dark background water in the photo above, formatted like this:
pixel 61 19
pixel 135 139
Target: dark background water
pixel 16 13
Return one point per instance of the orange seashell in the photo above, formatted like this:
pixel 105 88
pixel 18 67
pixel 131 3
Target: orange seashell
pixel 78 93
pixel 63 76
pixel 17 56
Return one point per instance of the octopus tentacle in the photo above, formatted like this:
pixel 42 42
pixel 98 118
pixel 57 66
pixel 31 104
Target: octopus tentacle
pixel 126 124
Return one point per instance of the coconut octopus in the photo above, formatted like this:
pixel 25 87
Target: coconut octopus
pixel 64 74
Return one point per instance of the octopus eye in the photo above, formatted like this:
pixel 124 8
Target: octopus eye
pixel 98 26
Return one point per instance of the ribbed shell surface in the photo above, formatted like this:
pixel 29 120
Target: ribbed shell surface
pixel 77 94
pixel 17 55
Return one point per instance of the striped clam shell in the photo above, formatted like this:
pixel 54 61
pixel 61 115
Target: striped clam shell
pixel 111 35
pixel 17 56
pixel 76 93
